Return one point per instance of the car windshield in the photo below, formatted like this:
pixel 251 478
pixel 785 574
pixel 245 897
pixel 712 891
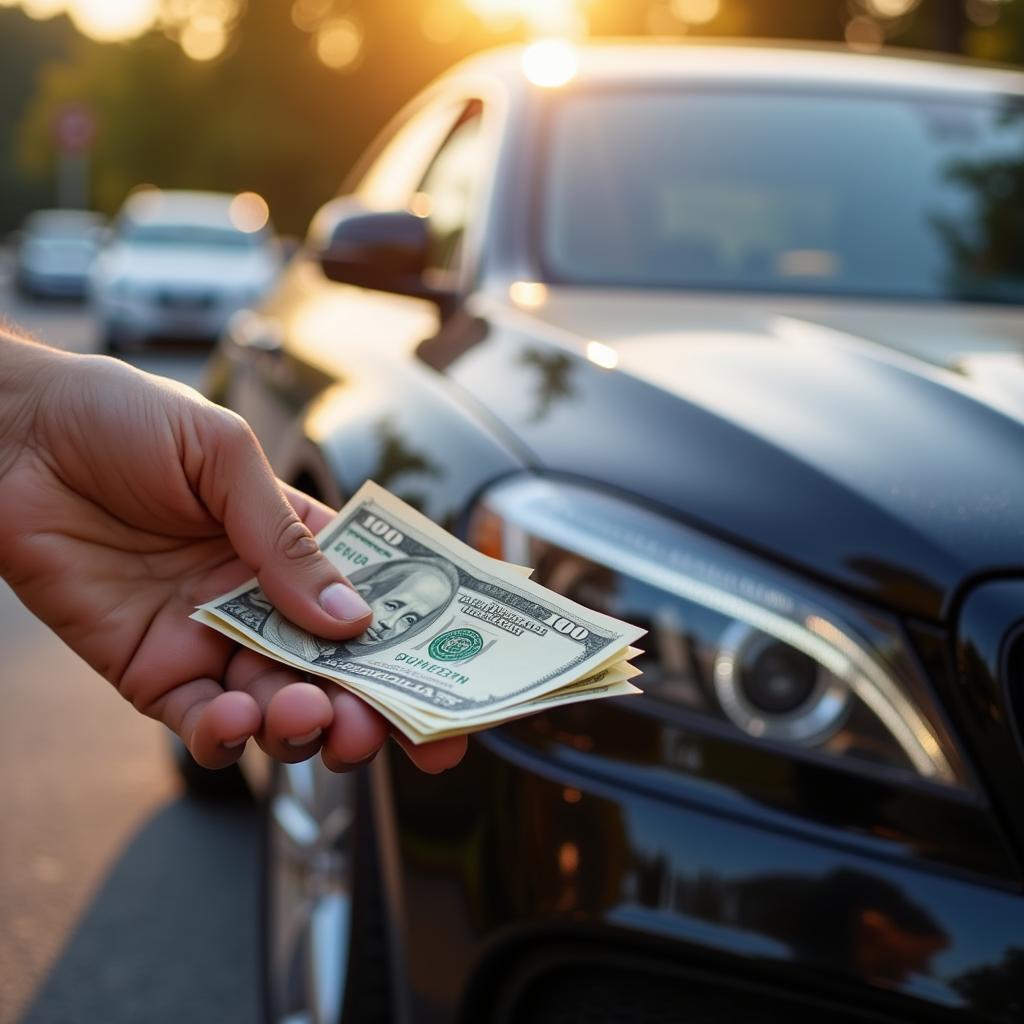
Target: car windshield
pixel 61 227
pixel 863 195
pixel 192 235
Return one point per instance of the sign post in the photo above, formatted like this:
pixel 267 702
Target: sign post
pixel 74 130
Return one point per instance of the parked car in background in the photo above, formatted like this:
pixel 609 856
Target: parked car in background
pixel 179 264
pixel 727 342
pixel 55 253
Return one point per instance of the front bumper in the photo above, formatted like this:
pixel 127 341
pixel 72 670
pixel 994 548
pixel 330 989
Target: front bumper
pixel 136 317
pixel 517 853
pixel 69 284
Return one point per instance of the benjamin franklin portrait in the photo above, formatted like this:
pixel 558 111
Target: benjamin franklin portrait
pixel 406 597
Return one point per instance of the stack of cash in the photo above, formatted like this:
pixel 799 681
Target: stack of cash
pixel 459 641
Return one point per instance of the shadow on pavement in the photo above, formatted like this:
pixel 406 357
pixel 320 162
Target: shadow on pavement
pixel 171 935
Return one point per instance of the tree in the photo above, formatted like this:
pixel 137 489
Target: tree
pixel 25 47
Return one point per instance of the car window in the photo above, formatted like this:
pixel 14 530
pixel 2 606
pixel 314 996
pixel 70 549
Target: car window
pixel 195 235
pixel 901 196
pixel 398 169
pixel 449 187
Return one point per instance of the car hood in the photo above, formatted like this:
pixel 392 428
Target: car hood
pixel 184 265
pixel 876 445
pixel 57 255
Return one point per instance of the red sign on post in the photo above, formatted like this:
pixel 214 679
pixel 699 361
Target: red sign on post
pixel 74 128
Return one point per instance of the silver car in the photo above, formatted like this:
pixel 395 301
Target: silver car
pixel 181 263
pixel 55 253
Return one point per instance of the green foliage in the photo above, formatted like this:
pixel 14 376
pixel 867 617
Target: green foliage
pixel 25 47
pixel 269 116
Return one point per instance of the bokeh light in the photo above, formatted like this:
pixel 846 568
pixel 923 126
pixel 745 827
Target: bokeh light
pixel 204 38
pixel 441 21
pixel 421 204
pixel 984 13
pixel 528 294
pixel 891 8
pixel 339 43
pixel 695 12
pixel 550 63
pixel 110 21
pixel 249 212
pixel 43 9
pixel 309 15
pixel 864 35
pixel 201 27
pixel 552 17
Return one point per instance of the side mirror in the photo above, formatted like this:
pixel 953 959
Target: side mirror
pixel 386 251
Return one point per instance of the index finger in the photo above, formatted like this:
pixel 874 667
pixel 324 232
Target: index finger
pixel 315 514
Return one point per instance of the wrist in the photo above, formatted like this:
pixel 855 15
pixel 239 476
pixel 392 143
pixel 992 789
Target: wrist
pixel 27 372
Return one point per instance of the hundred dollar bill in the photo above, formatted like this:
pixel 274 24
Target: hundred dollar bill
pixel 456 635
pixel 421 726
pixel 439 730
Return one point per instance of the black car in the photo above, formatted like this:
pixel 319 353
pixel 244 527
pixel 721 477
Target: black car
pixel 726 342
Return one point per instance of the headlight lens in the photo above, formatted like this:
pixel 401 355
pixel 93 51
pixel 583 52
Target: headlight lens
pixel 733 641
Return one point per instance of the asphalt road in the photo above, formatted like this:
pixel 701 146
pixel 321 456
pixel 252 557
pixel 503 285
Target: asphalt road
pixel 121 900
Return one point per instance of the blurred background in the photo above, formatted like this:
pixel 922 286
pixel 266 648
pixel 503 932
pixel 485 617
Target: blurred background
pixel 121 900
pixel 281 96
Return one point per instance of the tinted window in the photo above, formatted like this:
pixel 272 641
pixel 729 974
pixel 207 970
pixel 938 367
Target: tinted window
pixel 860 195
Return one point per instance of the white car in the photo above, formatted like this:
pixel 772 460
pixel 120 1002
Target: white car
pixel 56 250
pixel 180 264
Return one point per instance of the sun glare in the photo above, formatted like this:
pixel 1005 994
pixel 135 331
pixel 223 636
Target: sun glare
pixel 550 63
pixel 204 37
pixel 339 43
pixel 42 9
pixel 528 294
pixel 110 20
pixel 695 12
pixel 201 27
pixel 553 17
pixel 602 355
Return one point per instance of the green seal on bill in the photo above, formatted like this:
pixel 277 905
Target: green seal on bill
pixel 456 644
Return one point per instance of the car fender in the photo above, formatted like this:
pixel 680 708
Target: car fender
pixel 411 435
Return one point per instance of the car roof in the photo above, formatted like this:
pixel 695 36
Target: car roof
pixel 161 206
pixel 782 63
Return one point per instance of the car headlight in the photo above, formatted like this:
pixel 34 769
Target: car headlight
pixel 734 641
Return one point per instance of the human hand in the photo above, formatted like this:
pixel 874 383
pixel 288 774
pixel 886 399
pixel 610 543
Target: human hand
pixel 125 501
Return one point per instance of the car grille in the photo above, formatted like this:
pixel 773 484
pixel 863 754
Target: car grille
pixel 186 301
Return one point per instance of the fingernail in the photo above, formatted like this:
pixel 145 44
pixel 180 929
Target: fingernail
pixel 301 741
pixel 234 743
pixel 343 603
pixel 340 767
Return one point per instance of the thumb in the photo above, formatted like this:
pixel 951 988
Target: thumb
pixel 271 538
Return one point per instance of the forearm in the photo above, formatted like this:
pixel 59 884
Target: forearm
pixel 27 370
